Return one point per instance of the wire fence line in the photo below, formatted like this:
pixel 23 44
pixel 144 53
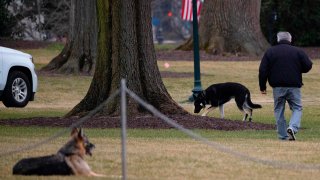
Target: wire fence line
pixel 190 133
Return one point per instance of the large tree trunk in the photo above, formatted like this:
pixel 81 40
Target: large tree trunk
pixel 230 26
pixel 126 50
pixel 79 53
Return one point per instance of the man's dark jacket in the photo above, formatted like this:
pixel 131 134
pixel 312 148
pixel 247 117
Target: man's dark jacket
pixel 282 66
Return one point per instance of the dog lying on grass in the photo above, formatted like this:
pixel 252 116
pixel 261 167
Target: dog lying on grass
pixel 218 94
pixel 68 161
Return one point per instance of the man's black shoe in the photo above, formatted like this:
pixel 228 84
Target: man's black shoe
pixel 291 134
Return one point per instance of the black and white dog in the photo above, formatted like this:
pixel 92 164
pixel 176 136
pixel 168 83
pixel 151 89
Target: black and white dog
pixel 218 94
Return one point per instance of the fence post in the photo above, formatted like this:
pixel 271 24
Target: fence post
pixel 123 127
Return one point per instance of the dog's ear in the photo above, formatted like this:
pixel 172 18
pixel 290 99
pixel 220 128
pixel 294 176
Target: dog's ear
pixel 195 95
pixel 74 132
pixel 203 97
pixel 200 94
pixel 203 93
pixel 80 133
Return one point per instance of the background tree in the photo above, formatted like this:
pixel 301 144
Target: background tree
pixel 79 53
pixel 230 26
pixel 7 21
pixel 26 17
pixel 34 20
pixel 126 50
pixel 56 18
pixel 299 17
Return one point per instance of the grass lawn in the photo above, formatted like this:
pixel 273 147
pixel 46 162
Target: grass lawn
pixel 170 154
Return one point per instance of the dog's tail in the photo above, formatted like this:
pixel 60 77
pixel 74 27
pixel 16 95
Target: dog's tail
pixel 250 103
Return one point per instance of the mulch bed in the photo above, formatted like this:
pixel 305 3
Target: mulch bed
pixel 143 122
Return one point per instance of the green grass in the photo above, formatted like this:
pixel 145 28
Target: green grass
pixel 14 113
pixel 55 47
pixel 168 153
pixel 165 47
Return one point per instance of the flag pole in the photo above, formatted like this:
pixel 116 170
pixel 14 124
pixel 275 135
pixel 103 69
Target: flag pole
pixel 197 81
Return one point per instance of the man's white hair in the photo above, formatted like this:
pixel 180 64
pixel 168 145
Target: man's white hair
pixel 284 36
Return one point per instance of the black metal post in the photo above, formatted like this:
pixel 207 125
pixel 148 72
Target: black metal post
pixel 197 81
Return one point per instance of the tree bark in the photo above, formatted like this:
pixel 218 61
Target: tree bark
pixel 79 53
pixel 230 26
pixel 126 50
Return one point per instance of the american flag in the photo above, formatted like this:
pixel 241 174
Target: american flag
pixel 186 10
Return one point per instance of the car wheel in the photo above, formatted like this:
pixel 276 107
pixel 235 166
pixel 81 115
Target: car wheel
pixel 17 91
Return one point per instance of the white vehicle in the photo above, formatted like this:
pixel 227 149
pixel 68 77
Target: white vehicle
pixel 18 79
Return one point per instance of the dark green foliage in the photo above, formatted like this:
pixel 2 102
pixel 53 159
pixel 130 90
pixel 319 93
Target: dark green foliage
pixel 54 12
pixel 300 17
pixel 7 21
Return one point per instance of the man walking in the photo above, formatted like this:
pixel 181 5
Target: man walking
pixel 282 66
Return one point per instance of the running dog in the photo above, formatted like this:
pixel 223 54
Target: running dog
pixel 218 94
pixel 68 161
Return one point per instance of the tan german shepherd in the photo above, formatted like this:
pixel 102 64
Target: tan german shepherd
pixel 68 161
